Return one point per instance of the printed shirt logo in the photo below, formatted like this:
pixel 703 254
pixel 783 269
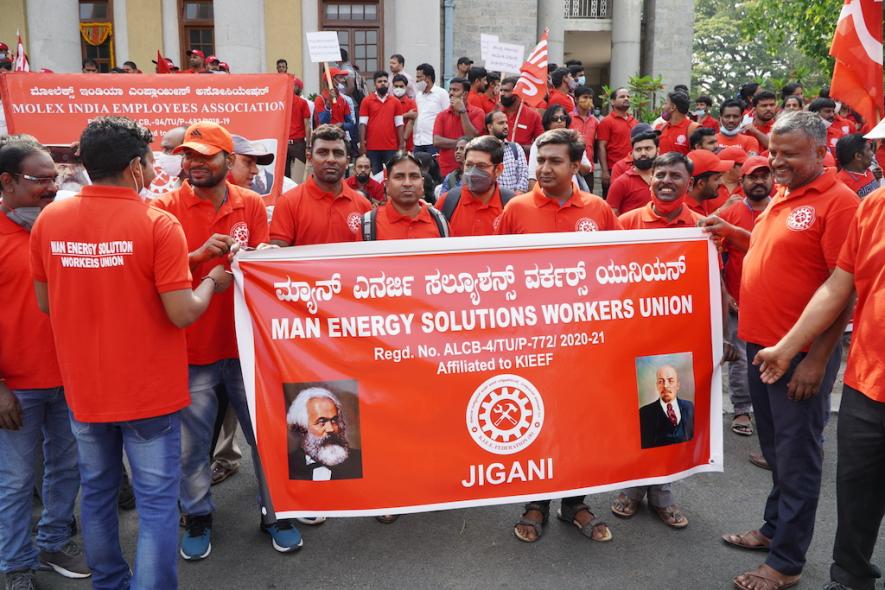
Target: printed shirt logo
pixel 505 414
pixel 354 220
pixel 586 224
pixel 240 232
pixel 680 140
pixel 801 218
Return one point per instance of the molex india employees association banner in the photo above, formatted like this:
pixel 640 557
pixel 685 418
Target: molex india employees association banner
pixel 413 375
pixel 55 108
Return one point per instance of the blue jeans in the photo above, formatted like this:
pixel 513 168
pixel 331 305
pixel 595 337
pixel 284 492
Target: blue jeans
pixel 197 426
pixel 738 387
pixel 153 446
pixel 379 159
pixel 44 418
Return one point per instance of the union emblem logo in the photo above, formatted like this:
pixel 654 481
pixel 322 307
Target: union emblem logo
pixel 353 221
pixel 680 140
pixel 801 218
pixel 586 224
pixel 505 414
pixel 240 232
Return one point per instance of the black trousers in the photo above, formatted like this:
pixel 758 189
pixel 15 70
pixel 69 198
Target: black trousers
pixel 860 489
pixel 295 150
pixel 790 436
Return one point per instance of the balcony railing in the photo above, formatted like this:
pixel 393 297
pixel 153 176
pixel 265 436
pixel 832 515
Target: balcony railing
pixel 587 8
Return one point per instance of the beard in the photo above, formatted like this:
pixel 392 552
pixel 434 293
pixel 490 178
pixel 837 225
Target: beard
pixel 209 181
pixel 330 450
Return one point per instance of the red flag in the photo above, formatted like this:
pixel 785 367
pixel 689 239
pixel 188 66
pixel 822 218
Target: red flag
pixel 857 48
pixel 21 58
pixel 532 84
pixel 162 64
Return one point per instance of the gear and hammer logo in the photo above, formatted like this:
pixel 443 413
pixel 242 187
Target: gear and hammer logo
pixel 505 414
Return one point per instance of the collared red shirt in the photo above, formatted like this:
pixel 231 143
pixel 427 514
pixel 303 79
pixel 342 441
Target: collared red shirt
pixel 409 105
pixel 471 216
pixel 106 257
pixel 381 116
pixel 300 112
pixel 243 217
pixel 628 191
pixel 621 166
pixel 674 138
pixel 481 101
pixel 308 215
pixel 744 216
pixel 710 122
pixel 646 218
pixel 746 142
pixel 430 104
pixel 448 125
pixel 614 130
pixel 561 98
pixel 586 126
pixel 528 126
pixel 535 213
pixel 374 188
pixel 793 248
pixel 340 108
pixel 390 224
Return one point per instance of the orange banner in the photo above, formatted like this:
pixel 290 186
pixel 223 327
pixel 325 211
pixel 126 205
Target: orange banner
pixel 404 376
pixel 56 107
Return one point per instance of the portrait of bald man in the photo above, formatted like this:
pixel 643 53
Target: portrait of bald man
pixel 668 419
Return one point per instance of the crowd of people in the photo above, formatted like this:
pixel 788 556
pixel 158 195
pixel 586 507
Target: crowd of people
pixel 786 187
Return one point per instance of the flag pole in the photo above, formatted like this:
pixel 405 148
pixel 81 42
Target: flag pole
pixel 516 121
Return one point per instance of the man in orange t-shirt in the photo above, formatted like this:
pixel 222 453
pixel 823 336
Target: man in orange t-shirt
pixel 793 249
pixel 324 209
pixel 731 116
pixel 113 273
pixel 32 401
pixel 405 215
pixel 556 205
pixel 217 217
pixel 860 457
pixel 707 176
pixel 678 129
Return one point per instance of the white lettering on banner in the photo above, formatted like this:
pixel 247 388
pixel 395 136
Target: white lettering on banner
pixel 547 278
pixel 304 292
pixel 92 254
pixel 370 325
pixel 635 272
pixel 465 282
pixel 289 328
pixel 382 286
pixel 497 473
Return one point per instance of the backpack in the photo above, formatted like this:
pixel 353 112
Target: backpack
pixel 454 195
pixel 370 225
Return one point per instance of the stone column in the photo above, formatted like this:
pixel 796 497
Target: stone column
pixel 171 38
pixel 54 35
pixel 626 40
pixel 244 52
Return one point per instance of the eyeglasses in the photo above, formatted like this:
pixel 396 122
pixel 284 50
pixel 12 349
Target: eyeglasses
pixel 38 179
pixel 483 167
pixel 558 118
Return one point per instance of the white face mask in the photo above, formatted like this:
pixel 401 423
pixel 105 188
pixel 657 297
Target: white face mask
pixel 399 92
pixel 341 88
pixel 421 86
pixel 170 163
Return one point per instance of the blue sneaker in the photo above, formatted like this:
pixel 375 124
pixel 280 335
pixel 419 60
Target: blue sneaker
pixel 284 535
pixel 196 541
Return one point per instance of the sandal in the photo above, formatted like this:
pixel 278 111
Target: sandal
pixel 763 580
pixel 624 506
pixel 569 514
pixel 751 540
pixel 538 526
pixel 671 516
pixel 742 425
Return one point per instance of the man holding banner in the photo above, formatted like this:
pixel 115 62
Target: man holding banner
pixel 556 205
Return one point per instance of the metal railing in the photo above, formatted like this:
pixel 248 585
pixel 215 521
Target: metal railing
pixel 587 8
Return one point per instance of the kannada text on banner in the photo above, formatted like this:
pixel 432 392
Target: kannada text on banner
pixel 474 371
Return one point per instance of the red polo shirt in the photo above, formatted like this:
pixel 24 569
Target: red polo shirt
pixel 793 248
pixel 744 216
pixel 614 130
pixel 534 213
pixel 300 112
pixel 722 196
pixel 374 188
pixel 710 123
pixel 586 126
pixel 674 138
pixel 308 215
pixel 646 218
pixel 381 118
pixel 863 255
pixel 481 101
pixel 528 127
pixel 390 224
pixel 471 216
pixel 628 192
pixel 621 166
pixel 27 349
pixel 448 125
pixel 243 217
pixel 340 108
pixel 562 99
pixel 749 144
pixel 834 134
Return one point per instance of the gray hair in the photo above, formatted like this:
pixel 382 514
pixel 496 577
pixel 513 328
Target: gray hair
pixel 803 121
pixel 296 417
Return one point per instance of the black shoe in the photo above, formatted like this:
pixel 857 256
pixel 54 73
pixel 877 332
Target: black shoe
pixel 20 580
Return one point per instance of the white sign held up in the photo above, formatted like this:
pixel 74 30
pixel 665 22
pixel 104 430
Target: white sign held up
pixel 323 46
pixel 504 57
pixel 484 42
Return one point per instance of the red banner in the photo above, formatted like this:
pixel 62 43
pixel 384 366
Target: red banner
pixel 56 107
pixel 404 376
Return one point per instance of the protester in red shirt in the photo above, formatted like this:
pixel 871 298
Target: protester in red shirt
pixel 323 209
pixel 296 150
pixel 764 111
pixel 704 138
pixel 793 249
pixel 731 188
pixel 32 401
pixel 331 100
pixel 216 216
pixel 556 205
pixel 585 122
pixel 701 112
pixel 631 190
pixel 707 176
pixel 113 274
pixel 459 120
pixel 197 60
pixel 826 108
pixel 524 124
pixel 671 177
pixel 406 215
pixel 410 108
pixel 563 85
pixel 613 135
pixel 381 124
pixel 362 180
pixel 479 89
pixel 731 119
pixel 855 155
pixel 677 130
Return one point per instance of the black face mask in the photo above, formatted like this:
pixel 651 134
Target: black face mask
pixel 362 178
pixel 644 164
pixel 381 90
pixel 508 101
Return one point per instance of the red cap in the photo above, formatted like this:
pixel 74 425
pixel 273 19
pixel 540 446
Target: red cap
pixel 223 65
pixel 754 163
pixel 196 52
pixel 706 161
pixel 298 82
pixel 212 58
pixel 337 72
pixel 735 154
pixel 206 138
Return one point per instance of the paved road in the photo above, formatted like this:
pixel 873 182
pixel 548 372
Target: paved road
pixel 474 548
